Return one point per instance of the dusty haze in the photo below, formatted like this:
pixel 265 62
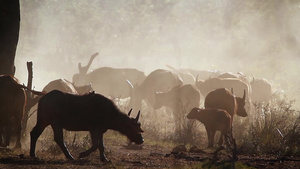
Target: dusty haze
pixel 259 38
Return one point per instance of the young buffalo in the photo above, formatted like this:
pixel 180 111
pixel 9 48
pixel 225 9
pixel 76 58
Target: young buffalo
pixel 213 120
pixel 91 112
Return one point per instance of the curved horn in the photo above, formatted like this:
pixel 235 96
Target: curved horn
pixel 231 90
pixel 129 112
pixel 138 116
pixel 129 83
pixel 197 78
pixel 244 97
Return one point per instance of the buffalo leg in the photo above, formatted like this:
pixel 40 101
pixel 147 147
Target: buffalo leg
pixel 101 149
pixel 18 132
pixel 7 135
pixel 95 144
pixel 221 139
pixel 34 135
pixel 1 137
pixel 210 135
pixel 58 138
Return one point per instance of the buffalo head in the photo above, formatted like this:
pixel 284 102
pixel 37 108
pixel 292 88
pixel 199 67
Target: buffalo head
pixel 135 130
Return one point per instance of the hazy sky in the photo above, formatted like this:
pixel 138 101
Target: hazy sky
pixel 259 38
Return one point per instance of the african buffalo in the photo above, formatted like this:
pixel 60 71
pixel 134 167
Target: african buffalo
pixel 213 120
pixel 181 99
pixel 157 81
pixel 222 98
pixel 66 86
pixel 238 75
pixel 12 107
pixel 237 85
pixel 107 80
pixel 187 77
pixel 261 90
pixel 91 112
pixel 112 81
pixel 202 74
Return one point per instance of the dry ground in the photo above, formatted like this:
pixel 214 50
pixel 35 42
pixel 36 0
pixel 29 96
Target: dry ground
pixel 151 155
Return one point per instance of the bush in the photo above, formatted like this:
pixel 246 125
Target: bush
pixel 275 128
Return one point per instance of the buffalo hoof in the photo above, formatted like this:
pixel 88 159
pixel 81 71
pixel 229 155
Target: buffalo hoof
pixel 70 158
pixel 83 154
pixel 105 160
pixel 32 155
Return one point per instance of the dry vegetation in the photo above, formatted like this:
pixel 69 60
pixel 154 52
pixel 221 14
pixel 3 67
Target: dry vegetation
pixel 268 138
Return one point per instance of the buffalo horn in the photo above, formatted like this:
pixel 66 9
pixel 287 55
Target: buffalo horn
pixel 129 83
pixel 232 90
pixel 138 116
pixel 244 97
pixel 129 112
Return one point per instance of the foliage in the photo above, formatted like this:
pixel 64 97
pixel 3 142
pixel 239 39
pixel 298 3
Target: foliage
pixel 275 130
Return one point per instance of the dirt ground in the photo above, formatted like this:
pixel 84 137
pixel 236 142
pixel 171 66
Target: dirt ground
pixel 146 156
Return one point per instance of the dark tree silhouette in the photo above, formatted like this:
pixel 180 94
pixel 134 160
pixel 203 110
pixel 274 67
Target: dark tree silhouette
pixel 9 34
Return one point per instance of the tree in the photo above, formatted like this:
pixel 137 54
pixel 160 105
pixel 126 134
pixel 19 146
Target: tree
pixel 9 34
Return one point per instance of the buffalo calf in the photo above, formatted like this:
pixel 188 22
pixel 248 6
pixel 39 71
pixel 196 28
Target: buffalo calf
pixel 91 112
pixel 213 120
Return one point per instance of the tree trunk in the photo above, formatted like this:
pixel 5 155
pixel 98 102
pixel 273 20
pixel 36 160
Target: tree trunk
pixel 9 34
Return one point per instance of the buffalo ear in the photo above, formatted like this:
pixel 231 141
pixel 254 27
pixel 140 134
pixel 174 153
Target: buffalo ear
pixel 129 112
pixel 138 116
pixel 244 97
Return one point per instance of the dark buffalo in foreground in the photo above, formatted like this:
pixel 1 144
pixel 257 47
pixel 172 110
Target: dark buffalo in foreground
pixel 223 99
pixel 91 112
pixel 159 80
pixel 12 107
pixel 213 120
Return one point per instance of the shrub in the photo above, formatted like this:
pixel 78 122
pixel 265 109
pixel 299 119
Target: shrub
pixel 275 129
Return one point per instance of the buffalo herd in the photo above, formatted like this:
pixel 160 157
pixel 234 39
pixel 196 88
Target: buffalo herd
pixel 86 105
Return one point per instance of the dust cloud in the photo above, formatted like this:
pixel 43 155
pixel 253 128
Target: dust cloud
pixel 258 38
